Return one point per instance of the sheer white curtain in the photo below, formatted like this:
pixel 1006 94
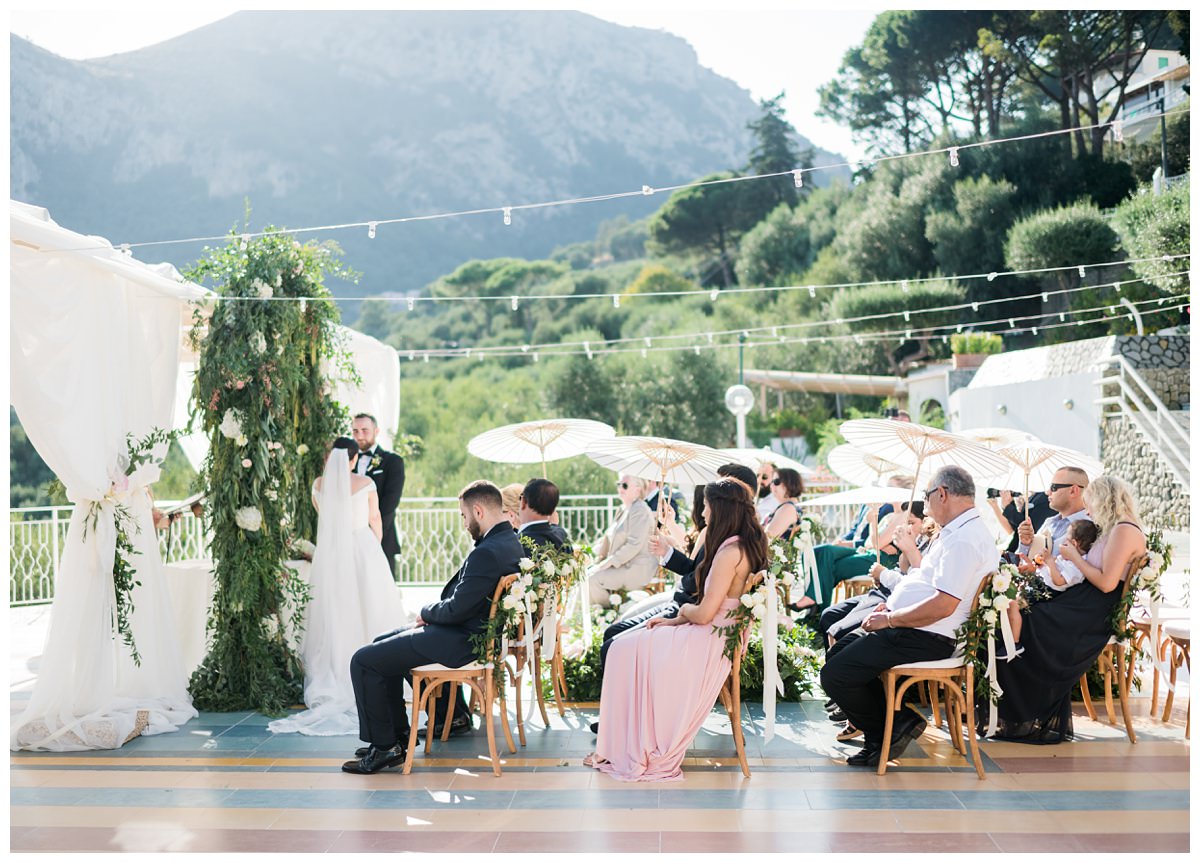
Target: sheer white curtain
pixel 95 347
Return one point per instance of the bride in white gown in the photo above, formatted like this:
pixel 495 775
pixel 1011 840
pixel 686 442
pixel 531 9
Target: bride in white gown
pixel 354 597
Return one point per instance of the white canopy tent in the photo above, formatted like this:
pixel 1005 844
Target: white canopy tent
pixel 95 344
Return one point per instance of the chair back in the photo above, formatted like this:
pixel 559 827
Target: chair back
pixel 983 583
pixel 1132 568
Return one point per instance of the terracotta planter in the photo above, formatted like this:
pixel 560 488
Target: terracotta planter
pixel 789 433
pixel 969 361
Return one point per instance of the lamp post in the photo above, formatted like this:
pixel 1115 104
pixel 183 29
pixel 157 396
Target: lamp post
pixel 739 400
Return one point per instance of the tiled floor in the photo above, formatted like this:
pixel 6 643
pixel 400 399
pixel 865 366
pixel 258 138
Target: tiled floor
pixel 224 783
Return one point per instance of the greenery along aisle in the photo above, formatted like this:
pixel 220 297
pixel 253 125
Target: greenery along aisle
pixel 262 396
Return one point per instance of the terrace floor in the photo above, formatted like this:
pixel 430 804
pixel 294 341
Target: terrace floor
pixel 224 783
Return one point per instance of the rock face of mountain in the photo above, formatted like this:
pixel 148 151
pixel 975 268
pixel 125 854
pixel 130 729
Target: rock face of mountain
pixel 320 118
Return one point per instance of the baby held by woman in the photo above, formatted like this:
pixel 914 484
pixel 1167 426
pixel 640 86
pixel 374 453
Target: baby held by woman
pixel 1057 571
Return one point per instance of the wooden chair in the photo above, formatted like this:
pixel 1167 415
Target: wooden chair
pixel 1179 642
pixel 731 692
pixel 848 588
pixel 1140 642
pixel 958 675
pixel 427 681
pixel 519 653
pixel 1111 662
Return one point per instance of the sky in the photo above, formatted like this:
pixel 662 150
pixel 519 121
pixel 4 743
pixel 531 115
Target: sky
pixel 764 47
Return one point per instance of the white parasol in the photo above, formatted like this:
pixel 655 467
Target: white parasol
pixel 538 441
pixel 659 458
pixel 1032 464
pixel 865 494
pixel 994 437
pixel 860 467
pixel 921 450
pixel 754 458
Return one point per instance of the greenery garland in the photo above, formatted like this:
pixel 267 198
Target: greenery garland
pixel 1146 585
pixel 262 394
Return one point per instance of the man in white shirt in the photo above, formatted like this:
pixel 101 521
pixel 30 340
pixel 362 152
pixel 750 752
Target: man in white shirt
pixel 919 620
pixel 1065 495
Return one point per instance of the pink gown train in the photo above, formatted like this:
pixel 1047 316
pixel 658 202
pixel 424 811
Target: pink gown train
pixel 659 686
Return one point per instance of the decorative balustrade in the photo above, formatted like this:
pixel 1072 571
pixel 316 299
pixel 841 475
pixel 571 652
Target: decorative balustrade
pixel 433 543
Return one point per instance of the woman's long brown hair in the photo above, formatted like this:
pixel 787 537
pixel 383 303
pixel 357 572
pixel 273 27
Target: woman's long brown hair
pixel 731 513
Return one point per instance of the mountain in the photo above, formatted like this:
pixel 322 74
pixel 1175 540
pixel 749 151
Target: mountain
pixel 319 118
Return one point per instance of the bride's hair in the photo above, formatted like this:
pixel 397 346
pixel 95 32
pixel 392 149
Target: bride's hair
pixel 730 513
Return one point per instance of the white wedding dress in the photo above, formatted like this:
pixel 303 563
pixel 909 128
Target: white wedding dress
pixel 354 599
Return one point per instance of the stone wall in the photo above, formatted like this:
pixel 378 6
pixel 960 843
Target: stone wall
pixel 1163 501
pixel 1145 352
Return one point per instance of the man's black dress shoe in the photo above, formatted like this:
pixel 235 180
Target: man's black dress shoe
pixel 460 726
pixel 830 706
pixel 868 756
pixel 904 731
pixel 595 727
pixel 836 715
pixel 376 759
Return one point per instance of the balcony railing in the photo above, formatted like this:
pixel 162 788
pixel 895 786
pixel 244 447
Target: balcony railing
pixel 432 541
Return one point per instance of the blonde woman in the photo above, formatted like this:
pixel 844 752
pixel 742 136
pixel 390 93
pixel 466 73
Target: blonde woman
pixel 623 558
pixel 511 495
pixel 1061 637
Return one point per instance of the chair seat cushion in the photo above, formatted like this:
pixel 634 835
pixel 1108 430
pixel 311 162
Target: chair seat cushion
pixel 437 666
pixel 1180 631
pixel 952 662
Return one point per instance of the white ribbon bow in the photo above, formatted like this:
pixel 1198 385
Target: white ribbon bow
pixel 1010 648
pixel 808 570
pixel 772 681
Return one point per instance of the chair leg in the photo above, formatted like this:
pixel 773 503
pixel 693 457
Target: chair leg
pixel 412 728
pixel 429 705
pixel 1087 698
pixel 954 719
pixel 1123 691
pixel 735 720
pixel 508 738
pixel 889 690
pixel 555 670
pixel 516 682
pixel 1106 661
pixel 932 689
pixel 490 723
pixel 972 737
pixel 1173 666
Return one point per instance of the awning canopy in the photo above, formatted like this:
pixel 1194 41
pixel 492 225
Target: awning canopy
pixel 818 382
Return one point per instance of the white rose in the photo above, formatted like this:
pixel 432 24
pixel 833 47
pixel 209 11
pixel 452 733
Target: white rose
pixel 757 612
pixel 1001 582
pixel 747 600
pixel 302 449
pixel 614 599
pixel 531 595
pixel 248 518
pixel 758 598
pixel 258 342
pixel 511 601
pixel 1001 603
pixel 242 440
pixel 231 425
pixel 984 601
pixel 788 578
pixel 526 564
pixel 549 568
pixel 989 617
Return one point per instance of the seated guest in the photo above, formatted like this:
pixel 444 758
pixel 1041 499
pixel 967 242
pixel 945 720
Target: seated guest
pixel 511 495
pixel 679 563
pixel 539 501
pixel 442 633
pixel 1062 636
pixel 765 502
pixel 692 539
pixel 1010 511
pixel 838 562
pixel 917 622
pixel 1065 496
pixel 623 559
pixel 786 487
pixel 662 680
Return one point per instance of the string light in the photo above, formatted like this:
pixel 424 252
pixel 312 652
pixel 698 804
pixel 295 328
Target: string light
pixel 524 349
pixel 1082 271
pixel 616 301
pixel 798 178
pixel 1117 287
pixel 906 315
pixel 904 285
pixel 991 277
pixel 371 230
pixel 713 294
pixel 696 349
pixel 647 190
pixel 411 303
pixel 862 164
pixel 508 215
pixel 412 355
pixel 647 341
pixel 954 157
pixel 644 353
pixel 1118 128
pixel 812 291
pixel 1034 331
pixel 588 350
pixel 974 307
pixel 1045 296
pixel 515 303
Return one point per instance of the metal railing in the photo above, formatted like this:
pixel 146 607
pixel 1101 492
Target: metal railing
pixel 433 543
pixel 1137 401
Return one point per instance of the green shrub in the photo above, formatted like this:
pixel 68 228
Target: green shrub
pixel 976 343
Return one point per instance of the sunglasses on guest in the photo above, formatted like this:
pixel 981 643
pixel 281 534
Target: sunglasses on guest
pixel 776 481
pixel 623 486
pixel 1055 486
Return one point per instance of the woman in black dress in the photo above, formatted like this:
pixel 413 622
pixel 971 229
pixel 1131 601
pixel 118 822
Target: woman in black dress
pixel 1063 636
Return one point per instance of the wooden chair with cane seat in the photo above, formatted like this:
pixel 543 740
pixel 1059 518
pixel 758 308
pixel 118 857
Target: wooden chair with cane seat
pixel 958 675
pixel 731 691
pixel 427 681
pixel 1111 662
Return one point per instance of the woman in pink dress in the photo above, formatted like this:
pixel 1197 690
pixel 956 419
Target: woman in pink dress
pixel 660 682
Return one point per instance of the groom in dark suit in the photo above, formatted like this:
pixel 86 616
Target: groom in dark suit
pixel 539 499
pixel 442 634
pixel 387 470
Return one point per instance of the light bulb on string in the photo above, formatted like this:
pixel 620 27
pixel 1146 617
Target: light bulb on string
pixel 1045 297
pixel 958 329
pixel 647 190
pixel 1082 271
pixel 1117 287
pixel 1034 330
pixel 713 294
pixel 508 215
pixel 974 307
pixel 904 285
pixel 710 337
pixel 696 350
pixel 812 292
pixel 616 301
pixel 412 355
pixel 371 230
pixel 536 357
pixel 944 340
pixel 587 349
pixel 1012 325
pixel 907 315
pixel 1118 128
pixel 644 352
pixel 908 334
pixel 426 358
pixel 992 276
pixel 774 332
pixel 954 157
pixel 857 339
pixel 524 349
pixel 411 303
pixel 1062 316
pixel 798 178
pixel 516 303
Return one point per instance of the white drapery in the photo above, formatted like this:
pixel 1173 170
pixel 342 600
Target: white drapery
pixel 94 354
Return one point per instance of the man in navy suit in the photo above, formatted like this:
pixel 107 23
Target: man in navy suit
pixel 442 634
pixel 539 499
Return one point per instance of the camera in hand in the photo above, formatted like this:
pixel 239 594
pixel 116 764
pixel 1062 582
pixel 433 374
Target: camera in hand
pixel 995 492
pixel 891 413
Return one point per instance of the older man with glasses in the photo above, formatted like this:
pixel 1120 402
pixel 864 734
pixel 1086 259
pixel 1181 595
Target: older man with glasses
pixel 1065 495
pixel 918 621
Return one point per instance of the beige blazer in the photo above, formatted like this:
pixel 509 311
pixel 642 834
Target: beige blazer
pixel 625 541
